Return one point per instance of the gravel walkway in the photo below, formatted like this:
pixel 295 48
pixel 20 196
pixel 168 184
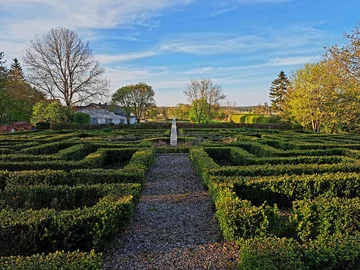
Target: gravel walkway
pixel 173 226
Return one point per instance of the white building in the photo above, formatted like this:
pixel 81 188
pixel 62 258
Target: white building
pixel 101 114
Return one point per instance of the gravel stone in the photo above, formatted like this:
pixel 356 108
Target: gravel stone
pixel 173 226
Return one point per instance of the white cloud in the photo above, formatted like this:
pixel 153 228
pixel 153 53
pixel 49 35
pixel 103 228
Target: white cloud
pixel 231 5
pixel 26 18
pixel 290 61
pixel 108 59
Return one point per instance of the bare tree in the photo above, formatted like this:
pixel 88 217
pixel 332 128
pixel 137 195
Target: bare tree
pixel 62 66
pixel 204 96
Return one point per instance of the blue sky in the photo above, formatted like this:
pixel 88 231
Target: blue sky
pixel 240 44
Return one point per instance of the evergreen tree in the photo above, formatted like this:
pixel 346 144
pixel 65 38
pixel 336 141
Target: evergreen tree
pixel 3 71
pixel 16 72
pixel 4 104
pixel 278 91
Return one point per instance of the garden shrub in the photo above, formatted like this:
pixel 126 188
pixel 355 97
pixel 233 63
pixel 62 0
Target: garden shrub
pixel 271 253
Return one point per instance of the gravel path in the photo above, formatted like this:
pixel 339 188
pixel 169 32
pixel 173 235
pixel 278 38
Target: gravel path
pixel 173 226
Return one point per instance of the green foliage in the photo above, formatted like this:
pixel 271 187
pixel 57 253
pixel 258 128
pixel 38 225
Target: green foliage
pixel 254 119
pixel 47 148
pixel 198 111
pixel 332 252
pixel 340 251
pixel 271 253
pixel 202 163
pixel 60 197
pixel 268 169
pixel 326 216
pixel 59 260
pixel 80 118
pixel 284 189
pixel 239 219
pixel 51 112
pixel 135 99
pixel 46 230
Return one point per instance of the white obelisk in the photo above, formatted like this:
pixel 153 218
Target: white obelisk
pixel 173 136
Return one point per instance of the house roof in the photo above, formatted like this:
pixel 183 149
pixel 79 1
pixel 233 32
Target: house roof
pixel 95 106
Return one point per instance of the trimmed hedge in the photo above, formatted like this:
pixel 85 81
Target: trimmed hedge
pixel 264 150
pixel 46 230
pixel 76 152
pixel 94 160
pixel 331 252
pixel 237 218
pixel 271 253
pixel 133 172
pixel 61 197
pixel 268 169
pixel 59 260
pixel 326 216
pixel 27 157
pixel 48 148
pixel 284 189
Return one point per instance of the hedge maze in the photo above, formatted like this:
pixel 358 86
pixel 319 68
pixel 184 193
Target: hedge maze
pixel 291 199
pixel 64 196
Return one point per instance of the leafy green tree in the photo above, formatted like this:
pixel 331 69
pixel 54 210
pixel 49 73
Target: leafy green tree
pixel 21 98
pixel 313 98
pixel 182 111
pixel 123 98
pixel 134 98
pixel 278 90
pixel 198 111
pixel 51 112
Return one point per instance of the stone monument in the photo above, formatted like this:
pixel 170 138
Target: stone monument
pixel 173 136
